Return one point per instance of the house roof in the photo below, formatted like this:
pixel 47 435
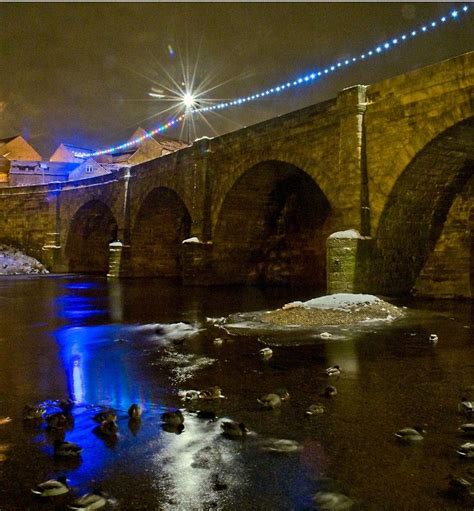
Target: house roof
pixel 161 139
pixel 78 149
pixel 166 143
pixel 46 167
pixel 8 139
pixel 115 158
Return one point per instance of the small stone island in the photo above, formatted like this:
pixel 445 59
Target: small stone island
pixel 336 309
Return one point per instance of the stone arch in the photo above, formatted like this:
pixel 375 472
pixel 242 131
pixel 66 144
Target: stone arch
pixel 471 251
pixel 246 160
pixel 272 228
pixel 161 224
pixel 92 228
pixel 418 206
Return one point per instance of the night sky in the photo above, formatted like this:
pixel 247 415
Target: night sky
pixel 80 73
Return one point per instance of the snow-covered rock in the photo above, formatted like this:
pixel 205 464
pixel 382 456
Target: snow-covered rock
pixel 350 233
pixel 338 301
pixel 15 262
pixel 336 309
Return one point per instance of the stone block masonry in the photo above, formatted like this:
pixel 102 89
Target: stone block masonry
pixel 392 160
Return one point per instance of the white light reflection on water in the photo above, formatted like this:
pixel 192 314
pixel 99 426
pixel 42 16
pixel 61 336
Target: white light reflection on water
pixel 345 355
pixel 187 466
pixel 115 298
pixel 77 381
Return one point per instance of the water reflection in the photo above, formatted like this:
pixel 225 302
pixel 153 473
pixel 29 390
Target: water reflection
pixel 187 487
pixel 78 391
pixel 77 308
pixel 100 370
pixel 115 296
pixel 58 339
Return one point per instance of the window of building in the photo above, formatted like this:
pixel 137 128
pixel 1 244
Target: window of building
pixel 89 169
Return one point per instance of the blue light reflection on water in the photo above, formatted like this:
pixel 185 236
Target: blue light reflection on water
pixel 83 300
pixel 98 371
pixel 78 308
pixel 82 285
pixel 102 372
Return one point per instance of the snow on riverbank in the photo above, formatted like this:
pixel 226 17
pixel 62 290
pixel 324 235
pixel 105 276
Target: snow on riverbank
pixel 15 262
pixel 337 309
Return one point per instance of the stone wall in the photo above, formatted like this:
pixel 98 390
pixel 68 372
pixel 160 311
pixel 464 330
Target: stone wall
pixel 448 271
pixel 26 216
pixel 406 113
pixel 420 148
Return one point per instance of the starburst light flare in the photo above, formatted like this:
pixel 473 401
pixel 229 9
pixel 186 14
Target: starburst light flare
pixel 200 105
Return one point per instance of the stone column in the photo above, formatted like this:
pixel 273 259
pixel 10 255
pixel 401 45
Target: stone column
pixel 52 252
pixel 196 253
pixel 117 255
pixel 52 248
pixel 352 105
pixel 119 249
pixel 347 256
pixel 348 252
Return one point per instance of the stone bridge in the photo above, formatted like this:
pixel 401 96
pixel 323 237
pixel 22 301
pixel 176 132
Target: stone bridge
pixel 393 160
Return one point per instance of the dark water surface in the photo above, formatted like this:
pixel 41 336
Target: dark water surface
pixel 58 339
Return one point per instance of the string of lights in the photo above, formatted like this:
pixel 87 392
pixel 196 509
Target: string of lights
pixel 299 81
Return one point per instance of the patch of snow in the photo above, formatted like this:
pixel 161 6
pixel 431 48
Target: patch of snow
pixel 291 305
pixel 350 233
pixel 216 321
pixel 15 262
pixel 176 331
pixel 339 301
pixel 163 332
pixel 194 239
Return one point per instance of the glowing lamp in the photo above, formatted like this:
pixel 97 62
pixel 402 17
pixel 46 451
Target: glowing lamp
pixel 188 100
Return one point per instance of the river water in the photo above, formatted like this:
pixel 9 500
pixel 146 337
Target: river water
pixel 108 343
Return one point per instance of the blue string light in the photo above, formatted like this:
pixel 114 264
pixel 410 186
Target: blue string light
pixel 302 80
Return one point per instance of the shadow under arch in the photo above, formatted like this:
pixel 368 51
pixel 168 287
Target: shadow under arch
pixel 272 228
pixel 160 226
pixel 92 228
pixel 418 205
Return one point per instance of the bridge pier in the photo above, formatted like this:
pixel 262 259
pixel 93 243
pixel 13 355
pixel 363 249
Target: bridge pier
pixel 197 263
pixel 118 257
pixel 348 263
pixel 52 254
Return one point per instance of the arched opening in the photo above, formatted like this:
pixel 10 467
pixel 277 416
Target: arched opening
pixel 160 226
pixel 432 197
pixel 272 228
pixel 92 228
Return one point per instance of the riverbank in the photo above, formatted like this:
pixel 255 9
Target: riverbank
pixel 15 262
pixel 337 309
